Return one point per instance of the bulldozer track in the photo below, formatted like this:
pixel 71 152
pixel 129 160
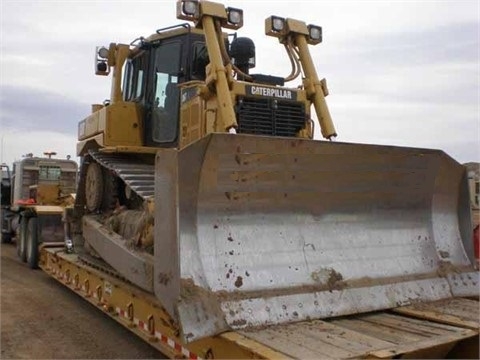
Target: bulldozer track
pixel 100 265
pixel 138 176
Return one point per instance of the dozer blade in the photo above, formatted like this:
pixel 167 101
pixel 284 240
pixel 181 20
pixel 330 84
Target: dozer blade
pixel 253 231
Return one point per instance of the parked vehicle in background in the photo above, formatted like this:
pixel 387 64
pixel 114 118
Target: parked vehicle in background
pixel 34 195
pixel 5 203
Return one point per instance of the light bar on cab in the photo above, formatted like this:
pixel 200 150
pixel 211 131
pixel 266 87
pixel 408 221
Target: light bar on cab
pixel 194 10
pixel 282 28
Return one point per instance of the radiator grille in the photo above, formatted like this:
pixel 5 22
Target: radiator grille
pixel 262 116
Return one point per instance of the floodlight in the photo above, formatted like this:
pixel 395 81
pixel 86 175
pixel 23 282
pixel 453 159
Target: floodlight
pixel 103 52
pixel 190 7
pixel 275 26
pixel 314 34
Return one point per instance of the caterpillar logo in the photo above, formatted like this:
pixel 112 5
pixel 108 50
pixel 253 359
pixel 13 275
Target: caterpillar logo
pixel 276 93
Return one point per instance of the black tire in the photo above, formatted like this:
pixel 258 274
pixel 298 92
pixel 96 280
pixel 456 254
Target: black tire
pixel 21 240
pixel 32 243
pixel 6 238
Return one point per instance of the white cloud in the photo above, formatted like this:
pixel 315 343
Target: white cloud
pixel 405 72
pixel 15 144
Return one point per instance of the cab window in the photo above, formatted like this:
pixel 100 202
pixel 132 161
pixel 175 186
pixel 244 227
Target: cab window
pixel 133 78
pixel 167 63
pixel 49 172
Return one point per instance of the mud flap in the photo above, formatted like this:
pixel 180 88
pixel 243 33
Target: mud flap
pixel 254 231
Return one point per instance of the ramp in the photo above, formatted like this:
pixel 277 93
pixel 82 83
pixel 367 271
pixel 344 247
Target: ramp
pixel 253 231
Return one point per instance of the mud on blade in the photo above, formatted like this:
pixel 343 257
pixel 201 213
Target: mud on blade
pixel 254 231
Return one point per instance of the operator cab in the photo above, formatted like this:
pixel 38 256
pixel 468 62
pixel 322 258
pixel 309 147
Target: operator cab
pixel 151 78
pixel 153 74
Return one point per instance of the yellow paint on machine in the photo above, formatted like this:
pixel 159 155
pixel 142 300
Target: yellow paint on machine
pixel 118 124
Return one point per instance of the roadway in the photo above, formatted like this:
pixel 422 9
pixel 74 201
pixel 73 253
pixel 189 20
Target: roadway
pixel 41 319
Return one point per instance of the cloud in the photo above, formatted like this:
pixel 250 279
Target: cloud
pixel 15 143
pixel 26 109
pixel 368 118
pixel 404 73
pixel 416 89
pixel 445 55
pixel 35 121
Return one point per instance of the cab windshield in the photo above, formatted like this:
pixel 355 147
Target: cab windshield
pixel 166 67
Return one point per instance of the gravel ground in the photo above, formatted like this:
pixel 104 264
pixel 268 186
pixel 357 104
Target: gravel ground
pixel 41 319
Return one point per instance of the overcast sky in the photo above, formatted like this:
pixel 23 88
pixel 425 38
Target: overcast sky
pixel 399 72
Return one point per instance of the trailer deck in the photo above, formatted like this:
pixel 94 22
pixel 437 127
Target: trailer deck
pixel 423 330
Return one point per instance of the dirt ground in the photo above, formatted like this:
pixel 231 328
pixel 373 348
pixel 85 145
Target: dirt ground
pixel 41 319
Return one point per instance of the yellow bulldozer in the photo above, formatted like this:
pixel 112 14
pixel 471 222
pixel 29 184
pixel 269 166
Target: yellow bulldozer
pixel 201 184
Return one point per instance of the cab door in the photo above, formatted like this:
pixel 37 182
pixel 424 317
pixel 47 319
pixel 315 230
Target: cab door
pixel 162 108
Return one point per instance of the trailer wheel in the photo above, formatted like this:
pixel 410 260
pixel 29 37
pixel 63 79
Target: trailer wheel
pixel 32 243
pixel 6 238
pixel 21 240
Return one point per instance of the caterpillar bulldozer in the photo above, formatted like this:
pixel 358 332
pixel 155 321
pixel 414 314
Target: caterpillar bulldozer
pixel 201 185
